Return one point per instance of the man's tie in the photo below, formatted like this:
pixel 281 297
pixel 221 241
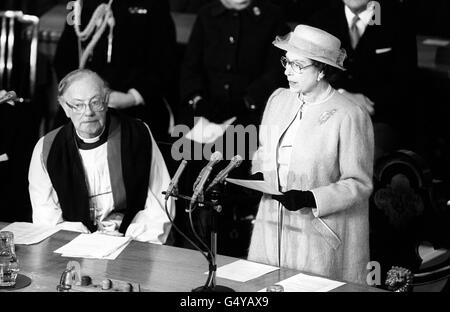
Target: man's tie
pixel 354 32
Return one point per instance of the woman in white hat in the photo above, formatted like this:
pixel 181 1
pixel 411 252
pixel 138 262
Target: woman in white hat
pixel 316 147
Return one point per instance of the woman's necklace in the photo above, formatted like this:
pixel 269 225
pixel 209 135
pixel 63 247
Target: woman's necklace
pixel 320 99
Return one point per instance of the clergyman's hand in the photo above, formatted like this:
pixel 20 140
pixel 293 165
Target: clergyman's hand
pixel 109 228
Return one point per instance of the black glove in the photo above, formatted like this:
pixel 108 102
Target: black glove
pixel 294 200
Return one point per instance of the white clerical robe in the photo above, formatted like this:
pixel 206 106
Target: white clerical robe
pixel 149 225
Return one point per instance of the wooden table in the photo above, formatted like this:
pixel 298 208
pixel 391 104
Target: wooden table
pixel 155 267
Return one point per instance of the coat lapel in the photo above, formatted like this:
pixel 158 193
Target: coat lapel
pixel 366 41
pixel 342 29
pixel 285 119
pixel 287 115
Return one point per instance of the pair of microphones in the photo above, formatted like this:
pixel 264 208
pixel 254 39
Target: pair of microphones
pixel 204 174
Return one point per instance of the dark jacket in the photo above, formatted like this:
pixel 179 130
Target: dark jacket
pixel 230 56
pixel 143 54
pixel 18 134
pixel 385 77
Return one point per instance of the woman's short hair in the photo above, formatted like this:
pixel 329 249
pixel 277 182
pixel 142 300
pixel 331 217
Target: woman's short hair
pixel 330 72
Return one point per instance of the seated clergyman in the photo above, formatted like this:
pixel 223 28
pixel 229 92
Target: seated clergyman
pixel 100 172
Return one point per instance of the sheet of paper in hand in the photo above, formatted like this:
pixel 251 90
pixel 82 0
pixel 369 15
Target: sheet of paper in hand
pixel 257 185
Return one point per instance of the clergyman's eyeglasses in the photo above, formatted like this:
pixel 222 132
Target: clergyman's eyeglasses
pixel 97 104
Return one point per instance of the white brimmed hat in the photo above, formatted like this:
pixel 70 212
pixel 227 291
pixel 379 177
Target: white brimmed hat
pixel 314 44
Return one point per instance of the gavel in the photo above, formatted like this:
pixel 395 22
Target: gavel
pixel 10 96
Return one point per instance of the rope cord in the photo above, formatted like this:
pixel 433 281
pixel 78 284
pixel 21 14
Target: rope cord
pixel 101 18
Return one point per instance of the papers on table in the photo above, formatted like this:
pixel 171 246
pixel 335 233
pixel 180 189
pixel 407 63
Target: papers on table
pixel 205 131
pixel 26 233
pixel 306 283
pixel 96 245
pixel 257 185
pixel 243 271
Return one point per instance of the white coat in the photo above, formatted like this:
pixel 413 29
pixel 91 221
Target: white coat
pixel 332 156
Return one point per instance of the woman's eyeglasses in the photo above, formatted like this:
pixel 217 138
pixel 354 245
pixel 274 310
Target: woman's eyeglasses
pixel 96 104
pixel 296 67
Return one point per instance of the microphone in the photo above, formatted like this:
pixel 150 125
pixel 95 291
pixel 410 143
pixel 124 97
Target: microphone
pixel 173 183
pixel 234 163
pixel 213 159
pixel 204 174
pixel 10 96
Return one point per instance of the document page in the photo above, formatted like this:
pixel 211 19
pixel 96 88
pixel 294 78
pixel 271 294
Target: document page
pixel 243 270
pixel 306 283
pixel 205 131
pixel 26 233
pixel 96 245
pixel 257 185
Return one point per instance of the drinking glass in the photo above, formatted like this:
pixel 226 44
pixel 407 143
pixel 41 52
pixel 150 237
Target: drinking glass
pixel 9 266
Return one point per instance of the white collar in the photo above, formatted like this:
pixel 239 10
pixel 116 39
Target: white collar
pixel 365 16
pixel 91 140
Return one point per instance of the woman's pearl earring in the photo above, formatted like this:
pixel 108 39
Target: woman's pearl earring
pixel 320 76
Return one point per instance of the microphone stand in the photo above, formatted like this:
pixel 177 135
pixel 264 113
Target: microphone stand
pixel 214 207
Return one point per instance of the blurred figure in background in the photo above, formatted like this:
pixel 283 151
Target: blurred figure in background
pixel 187 6
pixel 299 11
pixel 230 67
pixel 18 134
pixel 381 65
pixel 135 53
pixel 229 70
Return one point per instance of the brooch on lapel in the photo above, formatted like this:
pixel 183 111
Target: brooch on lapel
pixel 137 10
pixel 326 115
